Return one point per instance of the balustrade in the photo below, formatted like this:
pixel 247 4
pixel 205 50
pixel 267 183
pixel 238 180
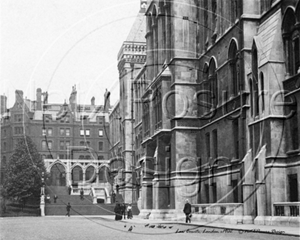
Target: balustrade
pixel 219 208
pixel 290 209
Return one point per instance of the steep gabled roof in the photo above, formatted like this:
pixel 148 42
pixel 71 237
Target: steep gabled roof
pixel 267 39
pixel 138 30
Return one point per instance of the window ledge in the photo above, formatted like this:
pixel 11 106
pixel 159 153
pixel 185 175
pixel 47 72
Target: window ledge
pixel 293 152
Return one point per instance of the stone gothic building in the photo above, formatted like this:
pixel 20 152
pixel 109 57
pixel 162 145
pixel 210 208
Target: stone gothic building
pixel 216 111
pixel 123 163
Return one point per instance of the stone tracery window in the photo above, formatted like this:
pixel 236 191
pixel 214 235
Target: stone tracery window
pixel 214 20
pixel 205 23
pixel 155 40
pixel 205 95
pixel 251 96
pixel 163 14
pixel 146 117
pixel 233 62
pixel 254 66
pixel 213 82
pixel 158 108
pixel 291 36
pixel 262 91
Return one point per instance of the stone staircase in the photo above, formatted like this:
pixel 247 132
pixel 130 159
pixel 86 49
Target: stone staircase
pixel 79 207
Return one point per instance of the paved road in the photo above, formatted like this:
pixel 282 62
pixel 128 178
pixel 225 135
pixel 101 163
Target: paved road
pixel 80 228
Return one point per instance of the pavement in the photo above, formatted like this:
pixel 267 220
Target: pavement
pixel 241 228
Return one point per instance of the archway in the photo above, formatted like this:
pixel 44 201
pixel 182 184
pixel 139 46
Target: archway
pixel 90 174
pixel 58 175
pixel 103 174
pixel 77 174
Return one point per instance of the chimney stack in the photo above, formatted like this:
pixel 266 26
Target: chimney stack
pixel 3 104
pixel 19 96
pixel 39 99
pixel 106 100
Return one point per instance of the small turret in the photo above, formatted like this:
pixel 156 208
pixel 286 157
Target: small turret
pixel 19 96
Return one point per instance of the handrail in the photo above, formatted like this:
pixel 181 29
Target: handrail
pixel 219 208
pixel 216 204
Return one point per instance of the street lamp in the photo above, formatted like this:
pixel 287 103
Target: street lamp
pixel 42 203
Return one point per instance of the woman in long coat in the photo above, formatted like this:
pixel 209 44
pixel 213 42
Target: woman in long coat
pixel 118 212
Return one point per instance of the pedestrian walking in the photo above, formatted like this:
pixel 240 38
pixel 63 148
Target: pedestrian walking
pixel 187 211
pixel 129 211
pixel 68 209
pixel 113 196
pixel 118 212
pixel 70 189
pixel 81 193
pixel 124 210
pixel 48 199
pixel 55 198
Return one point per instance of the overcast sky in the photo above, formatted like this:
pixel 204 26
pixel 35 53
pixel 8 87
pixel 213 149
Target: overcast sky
pixel 55 44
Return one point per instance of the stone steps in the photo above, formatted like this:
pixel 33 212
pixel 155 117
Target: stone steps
pixel 97 209
pixel 51 190
pixel 92 209
pixel 79 207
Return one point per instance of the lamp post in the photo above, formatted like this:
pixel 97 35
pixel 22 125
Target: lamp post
pixel 42 203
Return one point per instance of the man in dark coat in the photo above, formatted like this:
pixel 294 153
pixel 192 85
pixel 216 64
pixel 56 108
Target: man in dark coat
pixel 187 211
pixel 55 198
pixel 68 209
pixel 124 210
pixel 81 193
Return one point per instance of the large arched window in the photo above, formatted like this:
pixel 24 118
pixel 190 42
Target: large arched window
pixel 214 20
pixel 103 174
pixel 162 13
pixel 205 23
pixel 77 174
pixel 292 124
pixel 213 82
pixel 251 96
pixel 146 117
pixel 234 10
pixel 255 80
pixel 291 37
pixel 233 64
pixel 204 97
pixel 158 108
pixel 262 91
pixel 155 40
pixel 150 45
pixel 58 175
pixel 90 174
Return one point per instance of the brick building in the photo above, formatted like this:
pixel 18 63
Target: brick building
pixel 61 132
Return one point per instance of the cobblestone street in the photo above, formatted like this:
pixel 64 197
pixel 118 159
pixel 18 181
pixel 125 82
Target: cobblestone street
pixel 80 228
